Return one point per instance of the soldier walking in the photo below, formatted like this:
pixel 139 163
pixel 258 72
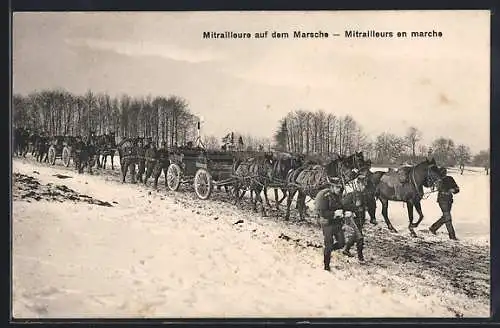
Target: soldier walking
pixel 331 219
pixel 447 187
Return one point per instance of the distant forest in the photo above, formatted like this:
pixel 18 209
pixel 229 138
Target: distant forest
pixel 59 112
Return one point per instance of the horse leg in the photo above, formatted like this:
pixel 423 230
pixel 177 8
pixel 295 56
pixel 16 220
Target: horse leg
pixel 371 206
pixel 301 204
pixel 409 207
pixel 156 175
pixel 132 172
pixel 265 195
pixel 385 209
pixel 418 207
pixel 258 198
pixel 284 191
pixel 289 194
pixel 124 168
pixel 254 199
pixel 279 201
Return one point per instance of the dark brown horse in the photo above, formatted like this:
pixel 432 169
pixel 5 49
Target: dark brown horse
pixel 253 174
pixel 128 152
pixel 85 153
pixel 283 163
pixel 406 185
pixel 309 179
pixel 106 145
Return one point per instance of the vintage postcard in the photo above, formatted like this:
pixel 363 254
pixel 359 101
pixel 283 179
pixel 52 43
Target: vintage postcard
pixel 251 164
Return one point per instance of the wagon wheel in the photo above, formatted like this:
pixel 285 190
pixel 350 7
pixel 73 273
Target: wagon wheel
pixel 66 155
pixel 52 155
pixel 203 184
pixel 173 177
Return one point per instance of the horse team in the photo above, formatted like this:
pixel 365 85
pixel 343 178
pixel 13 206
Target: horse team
pixel 293 174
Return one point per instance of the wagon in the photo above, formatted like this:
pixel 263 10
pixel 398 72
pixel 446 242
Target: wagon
pixel 205 169
pixel 60 147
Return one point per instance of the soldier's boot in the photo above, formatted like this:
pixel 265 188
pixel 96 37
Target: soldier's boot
pixel 326 260
pixel 347 249
pixel 436 225
pixel 451 231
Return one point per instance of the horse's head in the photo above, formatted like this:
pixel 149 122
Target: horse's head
pixel 340 168
pixel 265 164
pixel 336 185
pixel 361 182
pixel 428 173
pixel 354 161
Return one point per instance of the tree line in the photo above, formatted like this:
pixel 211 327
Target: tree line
pixel 323 133
pixel 59 112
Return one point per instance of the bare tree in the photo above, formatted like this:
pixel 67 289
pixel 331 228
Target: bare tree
pixel 413 136
pixel 463 154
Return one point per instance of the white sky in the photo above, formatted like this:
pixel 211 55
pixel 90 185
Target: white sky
pixel 440 85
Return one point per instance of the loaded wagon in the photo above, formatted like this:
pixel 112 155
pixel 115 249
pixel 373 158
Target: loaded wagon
pixel 205 169
pixel 60 148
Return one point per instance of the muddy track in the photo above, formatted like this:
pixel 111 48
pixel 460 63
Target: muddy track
pixel 394 260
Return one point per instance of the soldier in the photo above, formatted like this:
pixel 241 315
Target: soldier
pixel 354 206
pixel 461 166
pixel 330 217
pixel 141 160
pixel 447 187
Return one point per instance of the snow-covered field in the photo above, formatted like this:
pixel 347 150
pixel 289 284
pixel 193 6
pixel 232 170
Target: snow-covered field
pixel 100 248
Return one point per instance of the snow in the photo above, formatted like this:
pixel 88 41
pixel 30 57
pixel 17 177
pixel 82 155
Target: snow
pixel 170 255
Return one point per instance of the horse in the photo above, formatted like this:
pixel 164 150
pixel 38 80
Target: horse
pixel 406 185
pixel 282 164
pixel 254 174
pixel 21 136
pixel 309 179
pixel 128 152
pixel 107 147
pixel 42 144
pixel 85 153
pixel 161 160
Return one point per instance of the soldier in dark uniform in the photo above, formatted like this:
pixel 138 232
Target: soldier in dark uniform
pixel 141 160
pixel 331 219
pixel 151 159
pixel 354 206
pixel 447 187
